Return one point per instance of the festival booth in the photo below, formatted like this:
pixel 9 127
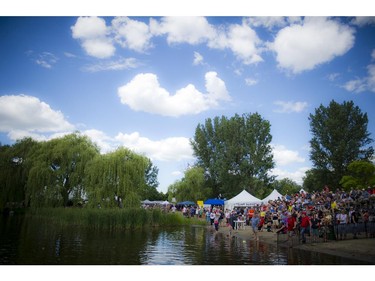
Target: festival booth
pixel 243 199
pixel 275 195
pixel 218 202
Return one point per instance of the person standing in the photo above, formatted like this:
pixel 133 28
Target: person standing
pixel 291 227
pixel 342 221
pixel 254 225
pixel 305 226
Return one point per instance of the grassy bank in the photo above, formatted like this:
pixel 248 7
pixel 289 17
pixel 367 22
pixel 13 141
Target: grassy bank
pixel 111 219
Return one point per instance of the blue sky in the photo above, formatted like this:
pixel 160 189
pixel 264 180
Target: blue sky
pixel 147 82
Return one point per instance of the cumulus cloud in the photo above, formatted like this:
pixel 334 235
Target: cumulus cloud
pixel 242 40
pixel 267 22
pixel 289 107
pixel 144 93
pixel 284 156
pixel 191 30
pixel 296 176
pixel 22 115
pixel 93 35
pixel 169 149
pixel 132 34
pixel 317 40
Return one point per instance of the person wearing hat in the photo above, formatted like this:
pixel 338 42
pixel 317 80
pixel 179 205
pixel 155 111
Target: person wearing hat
pixel 305 226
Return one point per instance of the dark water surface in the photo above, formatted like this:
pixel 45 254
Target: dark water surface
pixel 29 242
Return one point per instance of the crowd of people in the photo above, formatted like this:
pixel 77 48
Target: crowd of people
pixel 324 215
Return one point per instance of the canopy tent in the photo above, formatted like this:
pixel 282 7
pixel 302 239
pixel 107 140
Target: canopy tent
pixel 302 191
pixel 274 195
pixel 186 203
pixel 214 202
pixel 243 199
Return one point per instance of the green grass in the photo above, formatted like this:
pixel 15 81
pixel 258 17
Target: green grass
pixel 111 219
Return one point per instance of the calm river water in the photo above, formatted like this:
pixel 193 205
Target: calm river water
pixel 25 242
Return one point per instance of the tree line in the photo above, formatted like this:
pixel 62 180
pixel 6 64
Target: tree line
pixel 70 171
pixel 232 154
pixel 235 154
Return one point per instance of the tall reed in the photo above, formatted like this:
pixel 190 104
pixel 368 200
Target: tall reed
pixel 111 219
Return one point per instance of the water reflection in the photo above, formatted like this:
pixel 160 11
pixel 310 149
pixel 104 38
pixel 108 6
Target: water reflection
pixel 31 242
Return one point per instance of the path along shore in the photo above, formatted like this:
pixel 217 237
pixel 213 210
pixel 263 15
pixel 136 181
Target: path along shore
pixel 362 249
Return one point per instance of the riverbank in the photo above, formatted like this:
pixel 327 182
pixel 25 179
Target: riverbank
pixel 359 249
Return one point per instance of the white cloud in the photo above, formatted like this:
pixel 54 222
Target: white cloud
pixel 284 156
pixel 144 93
pixel 267 22
pixel 296 176
pixel 250 81
pixel 242 40
pixel 21 113
pixel 132 34
pixel 46 59
pixel 333 76
pixel 191 30
pixel 93 35
pixel 289 107
pixel 120 64
pixel 169 149
pixel 318 40
pixel 362 84
pixel 362 21
pixel 105 143
pixel 198 58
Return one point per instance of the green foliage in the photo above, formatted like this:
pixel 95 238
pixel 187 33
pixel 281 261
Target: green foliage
pixel 57 170
pixel 315 180
pixel 14 170
pixel 235 153
pixel 340 137
pixel 67 171
pixel 361 174
pixel 111 218
pixel 191 187
pixel 286 186
pixel 116 179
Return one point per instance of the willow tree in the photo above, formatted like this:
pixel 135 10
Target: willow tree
pixel 340 137
pixel 235 153
pixel 57 171
pixel 116 179
pixel 14 171
pixel 191 187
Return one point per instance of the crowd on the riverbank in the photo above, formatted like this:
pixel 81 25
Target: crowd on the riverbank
pixel 336 211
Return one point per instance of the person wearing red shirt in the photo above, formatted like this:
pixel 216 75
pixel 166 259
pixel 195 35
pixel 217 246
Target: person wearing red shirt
pixel 305 224
pixel 291 224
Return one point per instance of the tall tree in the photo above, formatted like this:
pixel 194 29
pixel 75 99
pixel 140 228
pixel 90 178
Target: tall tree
pixel 235 153
pixel 361 174
pixel 116 179
pixel 57 171
pixel 14 170
pixel 340 137
pixel 191 187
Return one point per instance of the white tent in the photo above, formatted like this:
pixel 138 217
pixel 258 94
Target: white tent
pixel 302 191
pixel 274 195
pixel 243 199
